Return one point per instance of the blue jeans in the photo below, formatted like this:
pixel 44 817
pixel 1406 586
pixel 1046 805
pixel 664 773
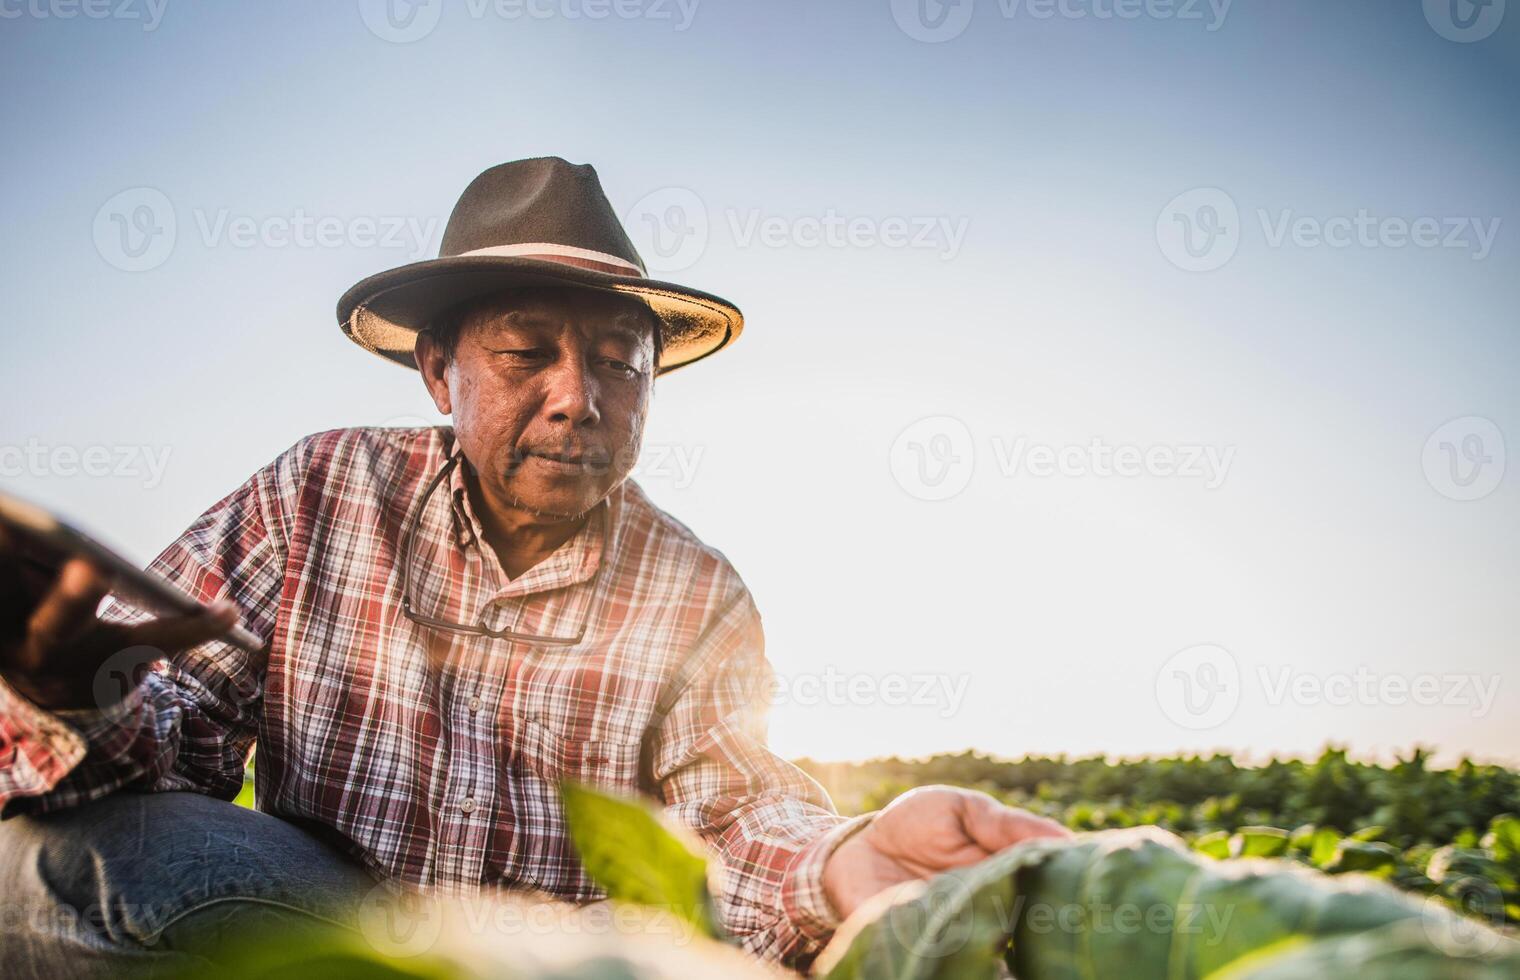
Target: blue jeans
pixel 151 884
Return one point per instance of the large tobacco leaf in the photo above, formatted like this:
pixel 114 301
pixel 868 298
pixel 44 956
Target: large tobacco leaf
pixel 1138 903
pixel 502 937
pixel 956 924
pixel 636 857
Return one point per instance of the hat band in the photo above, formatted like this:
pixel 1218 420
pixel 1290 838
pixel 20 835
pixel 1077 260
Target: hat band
pixel 583 258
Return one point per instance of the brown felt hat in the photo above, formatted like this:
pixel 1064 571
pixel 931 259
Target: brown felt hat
pixel 538 222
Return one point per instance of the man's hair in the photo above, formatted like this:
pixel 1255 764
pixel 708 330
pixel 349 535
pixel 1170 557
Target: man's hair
pixel 445 328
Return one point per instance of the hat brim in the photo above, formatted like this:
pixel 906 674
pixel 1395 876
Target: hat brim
pixel 384 312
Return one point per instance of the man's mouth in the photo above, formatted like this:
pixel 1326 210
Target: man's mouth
pixel 567 461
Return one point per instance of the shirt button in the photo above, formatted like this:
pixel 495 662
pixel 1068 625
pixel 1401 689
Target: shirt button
pixel 474 705
pixel 467 805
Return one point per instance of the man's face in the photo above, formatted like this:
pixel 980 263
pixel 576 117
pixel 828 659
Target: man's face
pixel 549 389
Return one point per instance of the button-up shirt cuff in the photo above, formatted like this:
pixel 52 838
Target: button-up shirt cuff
pixel 802 895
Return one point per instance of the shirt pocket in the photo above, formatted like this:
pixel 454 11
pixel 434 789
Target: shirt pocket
pixel 606 764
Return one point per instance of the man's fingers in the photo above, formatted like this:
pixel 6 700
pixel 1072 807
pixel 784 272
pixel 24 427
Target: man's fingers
pixel 69 605
pixel 176 633
pixel 994 826
pixel 26 575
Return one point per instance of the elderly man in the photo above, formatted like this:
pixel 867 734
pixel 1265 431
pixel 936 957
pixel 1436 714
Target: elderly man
pixel 454 620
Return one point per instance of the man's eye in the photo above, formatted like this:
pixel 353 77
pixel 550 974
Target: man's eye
pixel 524 354
pixel 622 367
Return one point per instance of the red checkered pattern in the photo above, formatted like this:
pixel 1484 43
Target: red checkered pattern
pixel 437 756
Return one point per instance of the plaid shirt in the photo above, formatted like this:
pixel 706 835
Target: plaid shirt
pixel 436 757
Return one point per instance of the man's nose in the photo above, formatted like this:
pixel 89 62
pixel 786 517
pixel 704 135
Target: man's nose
pixel 572 393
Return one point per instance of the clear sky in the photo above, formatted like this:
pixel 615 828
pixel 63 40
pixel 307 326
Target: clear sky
pixel 1119 376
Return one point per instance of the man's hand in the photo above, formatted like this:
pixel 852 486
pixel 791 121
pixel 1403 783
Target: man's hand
pixel 53 646
pixel 921 833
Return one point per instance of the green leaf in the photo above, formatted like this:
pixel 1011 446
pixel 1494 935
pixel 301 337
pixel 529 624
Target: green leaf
pixel 1451 863
pixel 480 937
pixel 1323 847
pixel 956 925
pixel 1124 909
pixel 636 857
pixel 1302 839
pixel 1215 844
pixel 1401 951
pixel 1138 903
pixel 1460 872
pixel 1370 858
pixel 1503 840
pixel 1259 842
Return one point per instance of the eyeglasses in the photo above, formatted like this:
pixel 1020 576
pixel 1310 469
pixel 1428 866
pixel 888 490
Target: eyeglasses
pixel 481 628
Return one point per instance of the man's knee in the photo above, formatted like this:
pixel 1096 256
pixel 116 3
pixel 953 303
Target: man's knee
pixel 56 869
pixel 136 868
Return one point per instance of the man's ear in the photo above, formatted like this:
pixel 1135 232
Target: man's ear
pixel 433 365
